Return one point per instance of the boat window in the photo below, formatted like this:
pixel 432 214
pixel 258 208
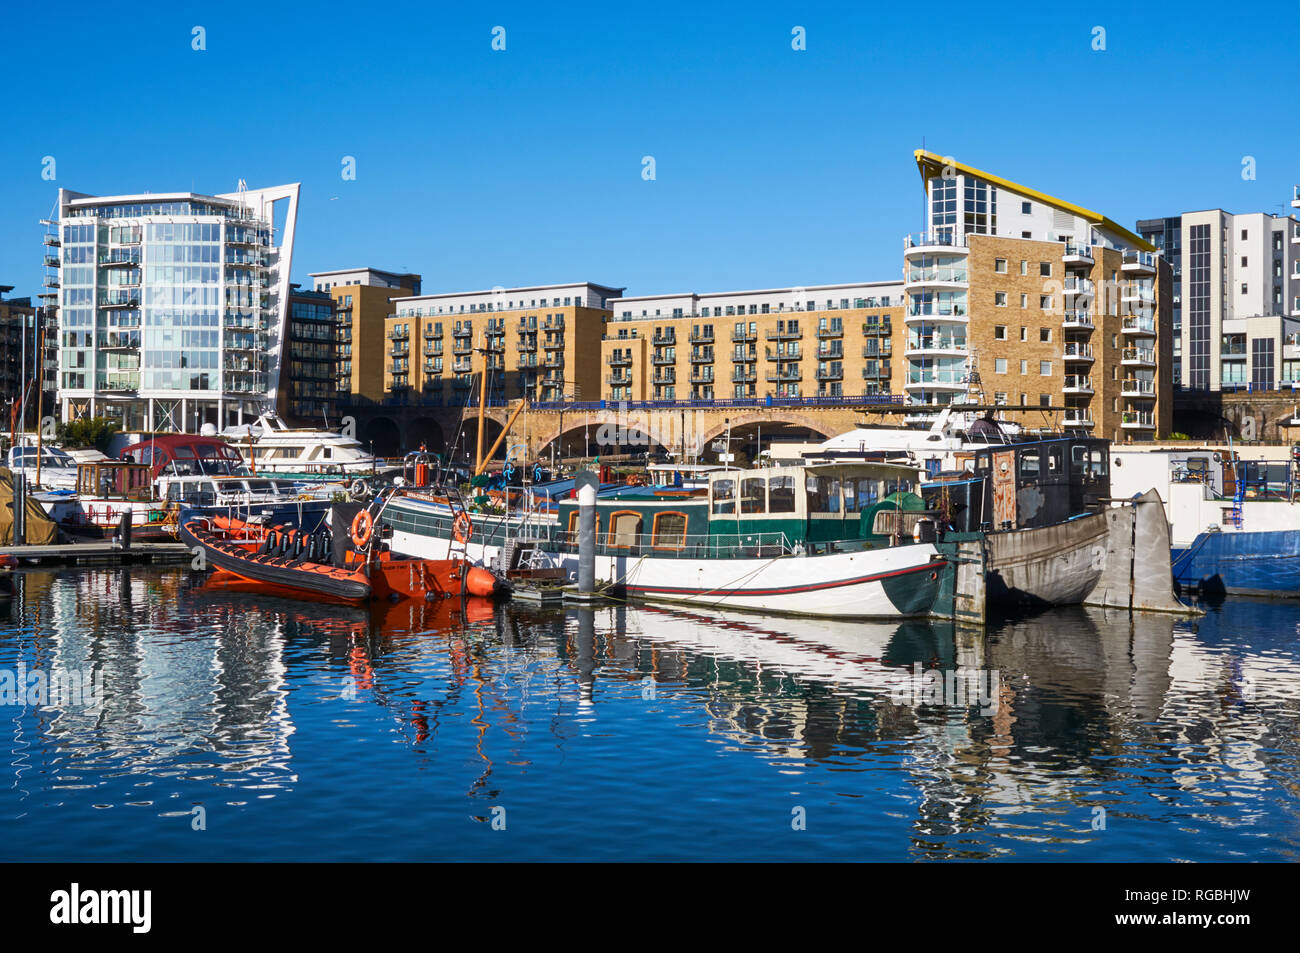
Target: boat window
pixel 752 495
pixel 780 494
pixel 624 528
pixel 1097 465
pixel 823 494
pixel 982 461
pixel 573 525
pixel 1078 458
pixel 669 531
pixel 1029 466
pixel 724 496
pixel 860 493
pixel 1055 460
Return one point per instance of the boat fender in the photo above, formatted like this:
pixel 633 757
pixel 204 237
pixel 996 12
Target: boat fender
pixel 480 581
pixel 462 528
pixel 363 526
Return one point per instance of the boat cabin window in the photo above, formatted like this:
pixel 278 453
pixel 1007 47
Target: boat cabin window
pixel 1029 464
pixel 1055 461
pixel 1088 461
pixel 753 495
pixel 823 493
pixel 724 496
pixel 860 493
pixel 326 453
pixel 624 528
pixel 780 494
pixel 573 525
pixel 669 531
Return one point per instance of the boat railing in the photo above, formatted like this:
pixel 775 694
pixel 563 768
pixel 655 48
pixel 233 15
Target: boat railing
pixel 679 546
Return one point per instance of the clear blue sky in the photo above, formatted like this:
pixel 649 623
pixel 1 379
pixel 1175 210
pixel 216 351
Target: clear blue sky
pixel 774 167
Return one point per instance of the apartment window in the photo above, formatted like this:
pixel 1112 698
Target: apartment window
pixel 1026 208
pixel 1243 234
pixel 1045 302
pixel 1045 335
pixel 1243 261
pixel 999 332
pixel 1044 368
pixel 1024 267
pixel 1024 333
pixel 1044 269
pixel 1000 265
pixel 1244 288
pixel 1044 400
pixel 1025 235
pixel 1024 301
pixel 999 398
pixel 1000 299
pixel 1024 369
pixel 1114 341
pixel 1000 365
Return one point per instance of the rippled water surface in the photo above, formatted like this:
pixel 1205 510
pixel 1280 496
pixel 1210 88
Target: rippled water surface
pixel 225 725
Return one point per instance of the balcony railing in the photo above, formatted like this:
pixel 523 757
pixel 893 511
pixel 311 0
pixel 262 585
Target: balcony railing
pixel 936 343
pixel 1136 324
pixel 789 354
pixel 1141 419
pixel 941 237
pixel 783 334
pixel 1133 387
pixel 1083 286
pixel 1078 352
pixel 948 378
pixel 826 333
pixel 1075 250
pixel 701 337
pixel 1078 319
pixel 918 276
pixel 619 360
pixel 1078 382
pixel 1138 355
pixel 1135 260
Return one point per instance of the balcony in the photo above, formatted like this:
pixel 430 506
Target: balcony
pixel 1077 286
pixel 431 335
pixel 1137 420
pixel 661 359
pixel 666 339
pixel 1139 262
pixel 928 379
pixel 701 337
pixel 1079 352
pixel 702 357
pixel 1077 417
pixel 527 347
pixel 433 350
pixel 129 299
pixel 556 345
pixel 788 354
pixel 1077 384
pixel 955 277
pixel 871 327
pixel 394 369
pixel 744 357
pixel 1136 293
pixel 744 337
pixel 461 348
pixel 742 375
pixel 1077 320
pixel 824 334
pixel 462 367
pixel 933 312
pixel 619 360
pixel 833 351
pixel 830 374
pixel 785 374
pixel 702 375
pixel 786 334
pixel 1139 326
pixel 399 350
pixel 1077 256
pixel 116 257
pixel 398 334
pixel 666 376
pixel 1136 387
pixel 939 240
pixel 935 346
pixel 876 370
pixel 1138 357
pixel 618 380
pixel 553 360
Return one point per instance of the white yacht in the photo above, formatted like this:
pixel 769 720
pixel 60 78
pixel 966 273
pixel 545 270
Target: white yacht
pixel 949 443
pixel 58 470
pixel 271 447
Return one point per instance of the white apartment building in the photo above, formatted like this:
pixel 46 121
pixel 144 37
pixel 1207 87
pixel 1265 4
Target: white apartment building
pixel 1237 297
pixel 718 304
pixel 172 307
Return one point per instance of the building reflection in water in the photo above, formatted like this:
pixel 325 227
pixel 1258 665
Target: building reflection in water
pixel 201 680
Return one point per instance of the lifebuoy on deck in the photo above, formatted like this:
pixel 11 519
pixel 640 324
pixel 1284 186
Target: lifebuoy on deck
pixel 363 526
pixel 462 528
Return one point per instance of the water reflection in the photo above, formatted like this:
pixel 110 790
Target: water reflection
pixel 1182 735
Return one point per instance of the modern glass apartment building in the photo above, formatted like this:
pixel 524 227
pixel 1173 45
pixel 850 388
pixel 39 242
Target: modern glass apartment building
pixel 172 308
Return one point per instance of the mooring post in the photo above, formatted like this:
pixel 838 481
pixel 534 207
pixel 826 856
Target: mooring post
pixel 20 508
pixel 586 539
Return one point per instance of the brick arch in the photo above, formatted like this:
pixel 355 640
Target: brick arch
pixel 774 416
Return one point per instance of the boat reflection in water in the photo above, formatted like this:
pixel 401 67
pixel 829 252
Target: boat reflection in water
pixel 409 730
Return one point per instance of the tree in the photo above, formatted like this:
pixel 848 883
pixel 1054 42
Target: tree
pixel 87 432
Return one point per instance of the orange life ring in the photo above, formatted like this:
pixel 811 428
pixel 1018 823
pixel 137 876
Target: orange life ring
pixel 363 524
pixel 462 528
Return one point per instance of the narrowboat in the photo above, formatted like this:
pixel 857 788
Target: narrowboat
pixel 839 540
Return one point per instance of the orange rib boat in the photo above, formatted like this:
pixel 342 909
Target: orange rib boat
pixel 289 560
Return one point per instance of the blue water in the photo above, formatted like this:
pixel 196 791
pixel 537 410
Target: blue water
pixel 310 732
